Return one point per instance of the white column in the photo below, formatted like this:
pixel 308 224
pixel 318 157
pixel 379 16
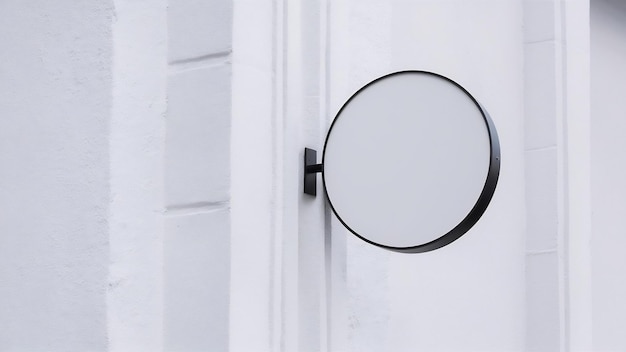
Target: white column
pixel 558 287
pixel 280 266
pixel 255 181
pixel 577 110
pixel 197 159
pixel 135 286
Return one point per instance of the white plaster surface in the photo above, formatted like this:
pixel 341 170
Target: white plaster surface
pixel 55 104
pixel 542 82
pixel 539 24
pixel 198 28
pixel 196 167
pixel 197 136
pixel 136 144
pixel 541 200
pixel 544 170
pixel 543 303
pixel 196 277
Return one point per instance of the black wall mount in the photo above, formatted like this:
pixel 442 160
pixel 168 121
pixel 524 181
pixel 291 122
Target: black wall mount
pixel 311 169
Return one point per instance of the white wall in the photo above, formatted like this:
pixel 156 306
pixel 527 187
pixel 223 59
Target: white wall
pixel 170 176
pixel 152 183
pixel 55 103
pixel 115 134
pixel 197 193
pixel 556 141
pixel 281 243
pixel 135 282
pixel 469 295
pixel 608 109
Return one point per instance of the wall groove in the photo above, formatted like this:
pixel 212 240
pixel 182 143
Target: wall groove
pixel 542 251
pixel 199 62
pixel 195 208
pixel 538 149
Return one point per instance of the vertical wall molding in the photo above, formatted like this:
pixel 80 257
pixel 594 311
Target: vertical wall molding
pixel 135 294
pixel 577 109
pixel 307 244
pixel 253 203
pixel 556 87
pixel 282 275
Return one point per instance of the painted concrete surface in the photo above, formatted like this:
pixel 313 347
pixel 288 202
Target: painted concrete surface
pixel 135 281
pixel 56 84
pixel 197 175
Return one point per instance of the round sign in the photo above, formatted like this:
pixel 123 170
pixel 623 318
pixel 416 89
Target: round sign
pixel 411 162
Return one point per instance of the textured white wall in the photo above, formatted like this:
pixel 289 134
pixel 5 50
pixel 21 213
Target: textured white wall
pixel 55 103
pixel 170 176
pixel 608 128
pixel 196 247
pixel 135 286
pixel 115 225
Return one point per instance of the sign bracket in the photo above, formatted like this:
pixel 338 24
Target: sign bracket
pixel 311 169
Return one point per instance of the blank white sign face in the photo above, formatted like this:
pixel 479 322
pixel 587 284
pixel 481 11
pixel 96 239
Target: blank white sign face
pixel 410 162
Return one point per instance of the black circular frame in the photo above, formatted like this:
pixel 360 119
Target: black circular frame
pixel 481 203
